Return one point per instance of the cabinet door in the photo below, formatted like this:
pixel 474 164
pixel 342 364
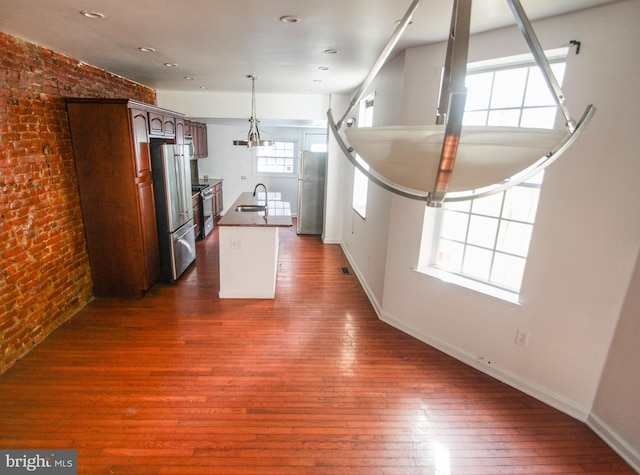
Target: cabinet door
pixel 156 123
pixel 149 233
pixel 202 140
pixel 217 199
pixel 180 131
pixel 169 126
pixel 139 123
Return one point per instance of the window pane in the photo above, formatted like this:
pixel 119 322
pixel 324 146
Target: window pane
pixel 454 226
pixel 490 206
pixel 508 271
pixel 450 255
pixel 521 203
pixel 538 93
pixel 482 231
pixel 504 118
pixel 540 117
pixel 514 238
pixel 478 90
pixel 508 89
pixel 477 262
pixel 475 118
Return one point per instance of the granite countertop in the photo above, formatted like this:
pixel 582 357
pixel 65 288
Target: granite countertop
pixel 279 213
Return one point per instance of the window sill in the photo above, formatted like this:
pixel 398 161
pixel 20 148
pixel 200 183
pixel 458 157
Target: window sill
pixel 470 284
pixel 360 211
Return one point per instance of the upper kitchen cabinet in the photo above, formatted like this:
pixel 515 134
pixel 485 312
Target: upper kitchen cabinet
pixel 161 125
pixel 198 131
pixel 110 139
pixel 140 127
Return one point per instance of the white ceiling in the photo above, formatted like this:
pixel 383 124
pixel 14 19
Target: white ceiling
pixel 220 42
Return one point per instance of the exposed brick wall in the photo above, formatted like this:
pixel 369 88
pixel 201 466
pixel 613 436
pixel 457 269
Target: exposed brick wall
pixel 44 267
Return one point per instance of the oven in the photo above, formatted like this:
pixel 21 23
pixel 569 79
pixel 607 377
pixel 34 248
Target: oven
pixel 206 207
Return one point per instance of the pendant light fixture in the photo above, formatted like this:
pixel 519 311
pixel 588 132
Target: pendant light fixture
pixel 446 161
pixel 253 136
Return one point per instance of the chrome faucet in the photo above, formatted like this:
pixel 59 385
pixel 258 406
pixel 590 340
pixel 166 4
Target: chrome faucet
pixel 266 198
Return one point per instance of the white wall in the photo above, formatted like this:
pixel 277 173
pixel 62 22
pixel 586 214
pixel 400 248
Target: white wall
pixel 586 237
pixel 228 105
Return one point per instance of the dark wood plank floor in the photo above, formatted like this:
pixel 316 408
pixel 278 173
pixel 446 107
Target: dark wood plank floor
pixel 311 382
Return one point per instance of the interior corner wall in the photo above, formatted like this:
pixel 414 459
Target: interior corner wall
pixel 44 268
pixel 615 410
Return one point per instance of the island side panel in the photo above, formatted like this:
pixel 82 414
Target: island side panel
pixel 248 262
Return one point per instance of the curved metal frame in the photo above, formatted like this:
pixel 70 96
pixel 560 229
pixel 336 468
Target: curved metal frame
pixel 451 108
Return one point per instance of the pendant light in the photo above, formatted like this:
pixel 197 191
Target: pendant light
pixel 253 136
pixel 446 161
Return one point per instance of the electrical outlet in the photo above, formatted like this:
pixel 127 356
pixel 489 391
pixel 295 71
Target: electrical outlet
pixel 522 338
pixel 236 243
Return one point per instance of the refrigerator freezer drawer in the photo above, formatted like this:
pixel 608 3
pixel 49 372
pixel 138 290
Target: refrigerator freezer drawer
pixel 183 249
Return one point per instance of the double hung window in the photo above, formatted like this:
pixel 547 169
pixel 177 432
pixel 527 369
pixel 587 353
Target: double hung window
pixel 483 243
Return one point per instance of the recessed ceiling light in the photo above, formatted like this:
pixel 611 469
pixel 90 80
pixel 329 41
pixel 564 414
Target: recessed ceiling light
pixel 323 68
pixel 204 87
pixel 92 15
pixel 146 49
pixel 317 81
pixel 171 65
pixel 190 78
pixel 290 19
pixel 331 51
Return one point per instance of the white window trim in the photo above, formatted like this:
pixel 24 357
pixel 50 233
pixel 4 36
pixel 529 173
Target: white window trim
pixel 359 200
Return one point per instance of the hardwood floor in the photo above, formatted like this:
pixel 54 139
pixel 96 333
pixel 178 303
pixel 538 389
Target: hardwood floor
pixel 311 382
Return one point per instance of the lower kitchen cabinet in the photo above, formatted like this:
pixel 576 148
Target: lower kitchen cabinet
pixel 217 199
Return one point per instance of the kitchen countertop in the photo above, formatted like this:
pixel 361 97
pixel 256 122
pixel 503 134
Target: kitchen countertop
pixel 279 213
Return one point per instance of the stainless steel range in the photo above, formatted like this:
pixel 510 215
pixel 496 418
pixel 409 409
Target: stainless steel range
pixel 206 205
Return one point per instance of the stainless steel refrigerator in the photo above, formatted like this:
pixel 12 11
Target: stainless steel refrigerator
pixel 311 185
pixel 174 209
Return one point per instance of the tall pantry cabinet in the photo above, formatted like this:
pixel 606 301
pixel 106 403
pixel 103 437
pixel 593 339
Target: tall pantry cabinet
pixel 111 150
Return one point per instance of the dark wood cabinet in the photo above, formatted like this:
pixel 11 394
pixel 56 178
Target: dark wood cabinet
pixel 179 130
pixel 110 139
pixel 198 131
pixel 161 125
pixel 217 199
pixel 139 125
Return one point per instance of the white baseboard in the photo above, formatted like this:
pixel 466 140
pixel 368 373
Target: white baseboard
pixel 627 452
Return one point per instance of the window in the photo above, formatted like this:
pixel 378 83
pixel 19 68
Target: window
pixel 279 158
pixel 483 243
pixel 360 180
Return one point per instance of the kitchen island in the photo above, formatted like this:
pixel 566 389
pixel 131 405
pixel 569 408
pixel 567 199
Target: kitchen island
pixel 248 245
